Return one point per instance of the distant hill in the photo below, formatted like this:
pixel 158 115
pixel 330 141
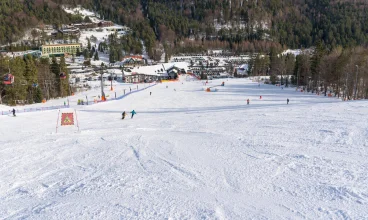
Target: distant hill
pixel 239 25
pixel 16 16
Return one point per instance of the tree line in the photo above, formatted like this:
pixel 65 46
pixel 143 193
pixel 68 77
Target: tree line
pixel 342 72
pixel 34 79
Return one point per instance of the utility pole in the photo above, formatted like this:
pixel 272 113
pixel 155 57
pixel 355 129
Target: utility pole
pixel 111 89
pixel 346 86
pixel 61 81
pixel 122 74
pixel 356 82
pixel 47 88
pixel 103 98
pixel 297 79
pixel 1 99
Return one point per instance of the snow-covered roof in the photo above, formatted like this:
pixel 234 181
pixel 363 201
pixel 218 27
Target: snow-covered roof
pixel 115 71
pixel 159 69
pixel 295 52
pixel 243 66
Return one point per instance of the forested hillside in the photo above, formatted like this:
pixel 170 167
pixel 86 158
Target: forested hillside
pixel 16 16
pixel 239 25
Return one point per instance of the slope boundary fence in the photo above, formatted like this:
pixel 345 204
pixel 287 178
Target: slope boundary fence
pixel 38 109
pixel 35 109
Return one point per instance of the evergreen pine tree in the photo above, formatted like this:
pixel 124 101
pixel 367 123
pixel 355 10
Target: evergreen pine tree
pixel 273 79
pixel 112 56
pixel 64 82
pixel 78 53
pixel 86 54
pixel 37 95
pixel 89 45
pixel 55 69
pixel 30 75
pixel 96 56
pixel 19 89
pixel 166 58
pixel 316 63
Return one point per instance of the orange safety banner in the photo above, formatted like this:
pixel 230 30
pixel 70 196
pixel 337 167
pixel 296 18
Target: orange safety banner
pixel 67 119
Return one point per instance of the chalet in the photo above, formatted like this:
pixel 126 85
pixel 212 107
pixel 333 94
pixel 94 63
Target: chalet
pixel 70 31
pixel 173 72
pixel 83 26
pixel 67 31
pixel 105 24
pixel 148 74
pixel 133 61
pixel 135 77
pixel 242 70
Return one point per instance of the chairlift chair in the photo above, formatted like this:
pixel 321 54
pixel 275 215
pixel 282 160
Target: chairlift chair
pixel 8 79
pixel 62 76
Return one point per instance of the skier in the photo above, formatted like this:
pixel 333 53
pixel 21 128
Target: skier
pixel 247 101
pixel 64 103
pixel 123 115
pixel 150 93
pixel 13 112
pixel 133 113
pixel 130 89
pixel 287 101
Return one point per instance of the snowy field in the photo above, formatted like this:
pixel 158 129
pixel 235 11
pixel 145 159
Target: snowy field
pixel 190 154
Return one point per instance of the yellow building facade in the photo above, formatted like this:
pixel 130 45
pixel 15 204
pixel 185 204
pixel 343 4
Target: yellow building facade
pixel 60 49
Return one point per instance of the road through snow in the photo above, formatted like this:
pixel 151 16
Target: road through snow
pixel 190 154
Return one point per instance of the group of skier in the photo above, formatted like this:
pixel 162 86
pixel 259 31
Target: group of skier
pixel 124 114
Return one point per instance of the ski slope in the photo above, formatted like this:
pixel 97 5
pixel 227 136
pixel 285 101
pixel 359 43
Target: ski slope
pixel 190 154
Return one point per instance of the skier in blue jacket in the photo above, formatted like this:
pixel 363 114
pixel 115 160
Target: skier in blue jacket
pixel 133 113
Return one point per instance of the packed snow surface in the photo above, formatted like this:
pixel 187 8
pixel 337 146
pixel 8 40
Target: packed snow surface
pixel 190 154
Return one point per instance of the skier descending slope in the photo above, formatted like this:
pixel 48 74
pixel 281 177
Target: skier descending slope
pixel 123 115
pixel 133 113
pixel 13 112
